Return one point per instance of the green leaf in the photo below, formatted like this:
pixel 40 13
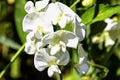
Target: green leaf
pixel 98 13
pixel 106 12
pixel 9 42
pixel 88 15
pixel 19 15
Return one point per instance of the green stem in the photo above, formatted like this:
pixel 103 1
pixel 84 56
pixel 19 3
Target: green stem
pixel 107 56
pixel 61 76
pixel 106 70
pixel 12 60
pixel 77 1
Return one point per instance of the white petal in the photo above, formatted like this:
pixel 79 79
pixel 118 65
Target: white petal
pixel 40 59
pixel 40 66
pixel 109 42
pixel 31 21
pixel 53 13
pixel 63 58
pixel 64 8
pixel 51 39
pixel 38 34
pixel 70 39
pixel 30 48
pixel 81 51
pixel 30 37
pixel 41 4
pixel 67 14
pixel 43 56
pixel 83 68
pixel 110 24
pixel 37 21
pixel 81 60
pixel 63 46
pixel 63 22
pixel 46 24
pixel 55 49
pixel 39 45
pixel 52 69
pixel 29 7
pixel 79 28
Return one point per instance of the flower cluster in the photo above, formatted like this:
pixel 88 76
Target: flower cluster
pixel 52 28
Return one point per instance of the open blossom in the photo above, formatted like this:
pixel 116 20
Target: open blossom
pixel 39 5
pixel 83 65
pixel 63 15
pixel 60 40
pixel 37 25
pixel 37 21
pixel 48 44
pixel 43 60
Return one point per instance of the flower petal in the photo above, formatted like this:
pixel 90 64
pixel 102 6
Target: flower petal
pixel 63 58
pixel 42 56
pixel 79 28
pixel 37 21
pixel 70 39
pixel 53 13
pixel 81 54
pixel 52 69
pixel 55 49
pixel 40 66
pixel 29 7
pixel 41 4
pixel 65 9
pixel 30 48
pixel 31 21
pixel 83 68
pixel 40 59
pixel 30 37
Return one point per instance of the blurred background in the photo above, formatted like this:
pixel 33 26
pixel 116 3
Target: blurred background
pixel 93 14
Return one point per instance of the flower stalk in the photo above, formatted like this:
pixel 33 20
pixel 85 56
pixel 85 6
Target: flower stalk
pixel 77 1
pixel 12 60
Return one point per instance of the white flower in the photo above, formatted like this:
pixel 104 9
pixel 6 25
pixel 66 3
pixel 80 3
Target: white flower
pixel 38 23
pixel 39 5
pixel 113 28
pixel 60 40
pixel 43 59
pixel 59 13
pixel 83 65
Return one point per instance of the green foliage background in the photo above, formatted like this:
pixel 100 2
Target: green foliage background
pixel 12 37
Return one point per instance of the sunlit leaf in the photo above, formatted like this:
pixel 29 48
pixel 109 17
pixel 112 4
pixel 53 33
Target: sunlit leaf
pixel 88 15
pixel 99 13
pixel 19 15
pixel 106 11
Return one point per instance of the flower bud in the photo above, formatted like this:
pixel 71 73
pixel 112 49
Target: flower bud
pixel 88 3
